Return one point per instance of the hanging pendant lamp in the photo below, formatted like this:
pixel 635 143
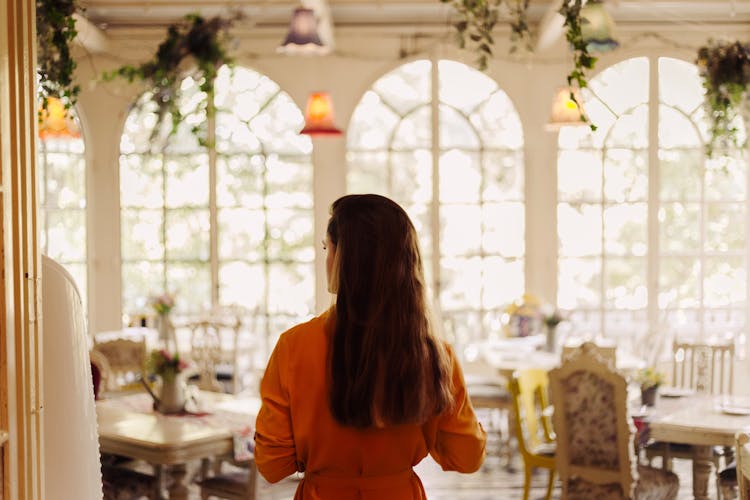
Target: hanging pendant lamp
pixel 565 111
pixel 319 116
pixel 597 27
pixel 303 35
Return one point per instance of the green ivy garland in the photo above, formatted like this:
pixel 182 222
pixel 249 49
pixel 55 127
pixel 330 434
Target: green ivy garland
pixel 477 19
pixel 55 31
pixel 582 60
pixel 194 37
pixel 725 69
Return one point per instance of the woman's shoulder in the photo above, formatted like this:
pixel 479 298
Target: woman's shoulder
pixel 305 332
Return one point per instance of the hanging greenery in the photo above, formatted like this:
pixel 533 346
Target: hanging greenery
pixel 725 69
pixel 476 20
pixel 582 60
pixel 55 31
pixel 194 47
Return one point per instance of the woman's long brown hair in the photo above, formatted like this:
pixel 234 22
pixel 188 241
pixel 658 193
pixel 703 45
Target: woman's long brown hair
pixel 386 365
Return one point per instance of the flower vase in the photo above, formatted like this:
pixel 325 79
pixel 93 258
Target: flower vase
pixel 165 329
pixel 171 395
pixel 648 395
pixel 551 345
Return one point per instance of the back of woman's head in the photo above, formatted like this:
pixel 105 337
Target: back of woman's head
pixel 386 365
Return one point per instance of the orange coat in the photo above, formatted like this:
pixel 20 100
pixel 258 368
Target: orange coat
pixel 295 431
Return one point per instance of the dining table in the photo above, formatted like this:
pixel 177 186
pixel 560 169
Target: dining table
pixel 700 420
pixel 212 427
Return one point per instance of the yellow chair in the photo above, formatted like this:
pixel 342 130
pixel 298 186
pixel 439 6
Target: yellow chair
pixel 536 440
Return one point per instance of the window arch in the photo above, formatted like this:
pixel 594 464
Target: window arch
pixel 227 224
pixel 461 181
pixel 641 211
pixel 62 192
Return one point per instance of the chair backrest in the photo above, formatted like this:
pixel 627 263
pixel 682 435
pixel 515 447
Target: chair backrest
pixel 704 366
pixel 529 391
pixel 214 341
pixel 100 371
pixel 594 434
pixel 607 354
pixel 125 360
pixel 742 440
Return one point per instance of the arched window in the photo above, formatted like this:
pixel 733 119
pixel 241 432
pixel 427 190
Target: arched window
pixel 227 224
pixel 642 213
pixel 459 176
pixel 62 193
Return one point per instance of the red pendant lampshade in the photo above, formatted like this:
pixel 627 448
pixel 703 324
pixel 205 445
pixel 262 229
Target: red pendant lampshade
pixel 319 115
pixel 56 122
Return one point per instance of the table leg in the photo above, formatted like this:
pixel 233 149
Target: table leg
pixel 177 488
pixel 701 471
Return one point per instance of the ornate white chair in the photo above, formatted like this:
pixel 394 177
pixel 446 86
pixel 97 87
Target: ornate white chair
pixel 214 349
pixel 125 360
pixel 595 456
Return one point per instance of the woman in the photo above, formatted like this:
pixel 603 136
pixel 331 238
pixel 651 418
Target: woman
pixel 359 395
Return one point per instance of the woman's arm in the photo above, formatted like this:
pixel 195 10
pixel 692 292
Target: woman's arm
pixel 275 453
pixel 459 438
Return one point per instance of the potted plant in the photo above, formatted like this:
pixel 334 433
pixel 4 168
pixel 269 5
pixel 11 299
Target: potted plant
pixel 725 69
pixel 649 379
pixel 167 366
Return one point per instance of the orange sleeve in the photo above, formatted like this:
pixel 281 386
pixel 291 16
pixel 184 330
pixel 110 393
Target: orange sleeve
pixel 275 453
pixel 460 439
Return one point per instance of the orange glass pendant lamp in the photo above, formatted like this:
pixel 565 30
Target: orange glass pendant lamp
pixel 56 121
pixel 319 115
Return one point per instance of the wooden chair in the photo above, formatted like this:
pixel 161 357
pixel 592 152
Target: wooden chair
pixel 533 430
pixel 595 456
pixel 125 360
pixel 236 485
pixel 735 479
pixel 706 367
pixel 607 353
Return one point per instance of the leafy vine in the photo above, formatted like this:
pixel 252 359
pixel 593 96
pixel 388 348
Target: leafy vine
pixel 194 40
pixel 725 69
pixel 582 60
pixel 477 19
pixel 55 31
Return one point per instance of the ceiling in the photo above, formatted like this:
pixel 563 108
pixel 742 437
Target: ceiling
pixel 354 13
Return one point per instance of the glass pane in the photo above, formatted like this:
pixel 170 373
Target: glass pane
pixel 365 173
pixel 579 282
pixel 141 181
pixel 724 282
pixel 579 175
pixel 66 235
pixel 290 236
pixel 461 283
pixel 680 84
pixel 630 130
pixel 503 176
pixel 679 227
pixel 188 234
pixel 676 130
pixel 723 223
pixel 414 131
pixel 191 283
pixel 406 86
pixel 503 229
pixel 678 282
pixel 579 229
pixel 371 124
pixel 623 85
pixel 463 87
pixel 64 175
pixel 625 229
pixel 140 281
pixel 727 181
pixel 460 177
pixel 239 181
pixel 498 123
pixel 241 234
pixel 292 289
pixel 681 173
pixel 460 229
pixel 625 175
pixel 242 283
pixel 187 181
pixel 503 282
pixel 142 234
pixel 288 182
pixel 625 283
pixel 456 131
pixel 410 179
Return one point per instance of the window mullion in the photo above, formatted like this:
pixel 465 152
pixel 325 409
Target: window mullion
pixel 213 216
pixel 652 202
pixel 435 212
